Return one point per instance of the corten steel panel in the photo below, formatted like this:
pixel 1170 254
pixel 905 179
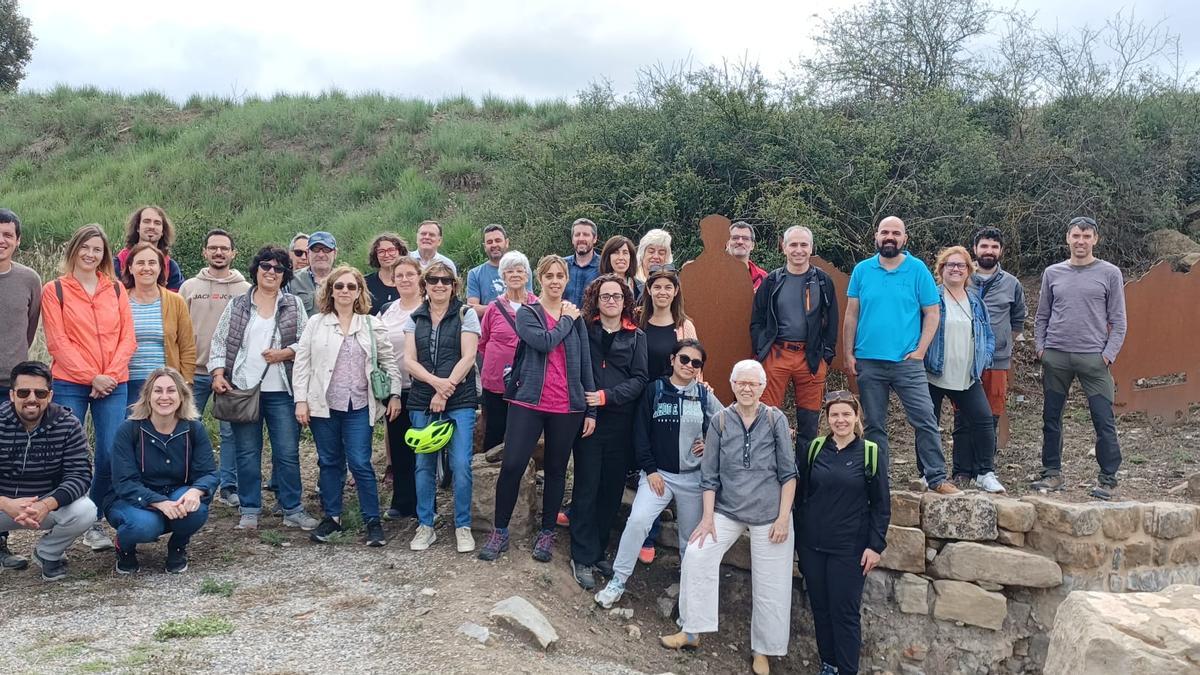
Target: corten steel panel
pixel 841 281
pixel 1163 310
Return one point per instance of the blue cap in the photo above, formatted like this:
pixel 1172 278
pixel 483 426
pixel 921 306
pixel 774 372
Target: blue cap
pixel 322 238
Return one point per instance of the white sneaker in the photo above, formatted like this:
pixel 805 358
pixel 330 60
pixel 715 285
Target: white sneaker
pixel 97 539
pixel 248 521
pixel 924 484
pixel 300 519
pixel 466 543
pixel 424 538
pixel 610 594
pixel 988 482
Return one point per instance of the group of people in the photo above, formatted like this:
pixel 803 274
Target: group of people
pixel 602 364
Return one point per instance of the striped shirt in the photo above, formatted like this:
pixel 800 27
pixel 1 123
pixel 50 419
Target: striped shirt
pixel 148 329
pixel 50 461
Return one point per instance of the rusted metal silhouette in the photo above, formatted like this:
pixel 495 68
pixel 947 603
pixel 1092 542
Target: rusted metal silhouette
pixel 1158 369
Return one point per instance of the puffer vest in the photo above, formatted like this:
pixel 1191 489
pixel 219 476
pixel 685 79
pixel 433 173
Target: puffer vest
pixel 449 352
pixel 286 320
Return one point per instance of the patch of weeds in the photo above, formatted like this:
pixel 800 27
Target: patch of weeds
pixel 545 579
pixel 229 556
pixel 69 650
pixel 271 537
pixel 343 537
pixel 211 586
pixel 1138 459
pixel 140 655
pixel 97 666
pixel 204 626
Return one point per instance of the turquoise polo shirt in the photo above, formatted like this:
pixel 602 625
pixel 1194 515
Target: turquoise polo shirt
pixel 889 306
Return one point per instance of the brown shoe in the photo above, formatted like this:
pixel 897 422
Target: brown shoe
pixel 946 488
pixel 760 666
pixel 679 641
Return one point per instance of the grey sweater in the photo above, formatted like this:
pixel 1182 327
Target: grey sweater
pixel 21 307
pixel 1081 309
pixel 748 467
pixel 1005 301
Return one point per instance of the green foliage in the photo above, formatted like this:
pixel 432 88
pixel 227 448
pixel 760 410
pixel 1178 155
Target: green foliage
pixel 204 626
pixel 271 538
pixel 16 45
pixel 210 586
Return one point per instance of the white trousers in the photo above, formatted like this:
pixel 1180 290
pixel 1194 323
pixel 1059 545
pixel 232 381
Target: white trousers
pixel 771 579
pixel 689 506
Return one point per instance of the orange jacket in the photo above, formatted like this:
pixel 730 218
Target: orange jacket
pixel 88 335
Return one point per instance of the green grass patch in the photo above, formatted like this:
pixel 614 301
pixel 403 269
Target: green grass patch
pixel 96 666
pixel 205 626
pixel 271 538
pixel 211 586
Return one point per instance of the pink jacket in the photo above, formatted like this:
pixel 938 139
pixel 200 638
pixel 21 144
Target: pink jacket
pixel 498 344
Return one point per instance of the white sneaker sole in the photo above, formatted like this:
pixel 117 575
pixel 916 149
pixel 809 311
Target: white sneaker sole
pixel 421 546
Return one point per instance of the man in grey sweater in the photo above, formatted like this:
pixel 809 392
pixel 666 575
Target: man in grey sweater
pixel 1079 329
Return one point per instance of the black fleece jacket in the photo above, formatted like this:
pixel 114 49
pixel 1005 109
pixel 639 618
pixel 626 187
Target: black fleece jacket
pixel 620 371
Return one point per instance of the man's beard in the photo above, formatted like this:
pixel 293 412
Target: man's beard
pixel 988 262
pixel 889 249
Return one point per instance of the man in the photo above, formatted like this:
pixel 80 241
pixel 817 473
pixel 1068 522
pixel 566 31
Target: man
pixel 1004 298
pixel 429 239
pixel 322 251
pixel 741 243
pixel 206 295
pixel 483 282
pixel 1078 331
pixel 584 263
pixel 891 317
pixel 150 223
pixel 298 250
pixel 20 305
pixel 44 468
pixel 794 330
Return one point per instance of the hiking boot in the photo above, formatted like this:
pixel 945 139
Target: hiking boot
pixel 680 640
pixel 760 665
pixel 604 568
pixel 1050 483
pixel 1106 487
pixel 97 539
pixel 961 481
pixel 423 539
pixel 646 555
pixel 463 539
pixel 301 519
pixel 827 669
pixel 248 521
pixel 543 546
pixel 52 570
pixel 227 496
pixel 946 488
pixel 583 576
pixel 127 562
pixel 497 543
pixel 988 483
pixel 325 530
pixel 10 560
pixel 375 536
pixel 177 562
pixel 610 594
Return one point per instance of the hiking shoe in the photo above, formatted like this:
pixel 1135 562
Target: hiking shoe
pixel 176 559
pixel 52 570
pixel 497 543
pixel 248 521
pixel 277 510
pixel 325 530
pixel 646 555
pixel 395 514
pixel 10 560
pixel 610 594
pixel 227 496
pixel 961 481
pixel 127 562
pixel 97 539
pixel 1106 488
pixel 604 568
pixel 583 576
pixel 543 546
pixel 423 539
pixel 464 540
pixel 760 666
pixel 301 519
pixel 563 520
pixel 375 536
pixel 827 669
pixel 1051 483
pixel 946 488
pixel 988 482
pixel 680 640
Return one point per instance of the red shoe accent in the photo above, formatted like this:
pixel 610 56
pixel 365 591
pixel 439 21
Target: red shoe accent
pixel 646 555
pixel 563 520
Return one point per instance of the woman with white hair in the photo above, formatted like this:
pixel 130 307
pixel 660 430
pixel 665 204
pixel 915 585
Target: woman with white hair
pixel 498 343
pixel 654 250
pixel 748 478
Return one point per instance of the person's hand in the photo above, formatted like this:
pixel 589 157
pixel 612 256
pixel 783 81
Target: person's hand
pixel 13 507
pixel 220 384
pixel 589 426
pixel 190 501
pixel 851 363
pixel 697 448
pixel 569 310
pixel 704 529
pixel 656 483
pixel 170 509
pixel 444 386
pixel 915 355
pixel 437 404
pixel 393 408
pixel 1040 354
pixel 276 355
pixel 869 560
pixel 1106 361
pixel 592 398
pixel 302 413
pixel 779 529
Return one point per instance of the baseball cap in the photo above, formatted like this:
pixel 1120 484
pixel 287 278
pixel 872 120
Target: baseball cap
pixel 322 238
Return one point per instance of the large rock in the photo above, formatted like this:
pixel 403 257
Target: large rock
pixel 1014 515
pixel 1169 521
pixel 905 550
pixel 518 611
pixel 524 521
pixel 966 517
pixel 1077 520
pixel 1069 551
pixel 1120 521
pixel 912 594
pixel 1163 243
pixel 968 603
pixel 968 561
pixel 906 509
pixel 1127 633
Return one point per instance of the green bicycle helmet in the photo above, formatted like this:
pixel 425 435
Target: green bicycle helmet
pixel 432 438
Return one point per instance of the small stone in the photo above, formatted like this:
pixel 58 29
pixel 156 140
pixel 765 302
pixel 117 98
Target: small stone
pixel 906 509
pixel 905 550
pixel 520 612
pixel 429 592
pixel 964 517
pixel 633 631
pixel 930 554
pixel 475 632
pixel 673 591
pixel 916 651
pixel 1010 538
pixel 666 607
pixel 968 603
pixel 1120 521
pixel 733 648
pixel 989 586
pixel 912 594
pixel 1014 515
pixel 1169 521
pixel 1077 520
pixel 1069 551
pixel 622 612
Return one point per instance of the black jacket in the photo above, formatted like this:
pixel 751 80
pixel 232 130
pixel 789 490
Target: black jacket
pixel 50 461
pixel 822 318
pixel 620 375
pixel 148 466
pixel 839 511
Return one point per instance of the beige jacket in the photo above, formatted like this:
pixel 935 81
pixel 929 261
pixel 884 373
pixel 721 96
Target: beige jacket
pixel 317 353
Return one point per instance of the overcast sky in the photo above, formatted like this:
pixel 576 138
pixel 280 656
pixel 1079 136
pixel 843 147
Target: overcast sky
pixel 535 49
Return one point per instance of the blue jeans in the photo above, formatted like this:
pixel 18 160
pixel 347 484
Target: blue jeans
pixel 202 391
pixel 279 415
pixel 140 525
pixel 460 463
pixel 107 415
pixel 907 378
pixel 344 438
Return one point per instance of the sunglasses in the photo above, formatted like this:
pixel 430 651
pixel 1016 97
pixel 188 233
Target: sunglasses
pixel 655 269
pixel 300 253
pixel 270 267
pixel 840 395
pixel 611 297
pixel 444 281
pixel 685 360
pixel 1082 220
pixel 41 394
pixel 342 286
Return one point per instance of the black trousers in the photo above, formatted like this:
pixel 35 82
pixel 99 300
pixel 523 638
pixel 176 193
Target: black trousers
pixel 977 457
pixel 495 419
pixel 404 463
pixel 600 464
pixel 525 426
pixel 835 585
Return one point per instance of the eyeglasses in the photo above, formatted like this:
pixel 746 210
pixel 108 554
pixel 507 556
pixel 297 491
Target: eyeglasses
pixel 300 253
pixel 41 394
pixel 434 281
pixel 219 249
pixel 740 237
pixel 747 385
pixel 611 297
pixel 271 267
pixel 840 395
pixel 390 250
pixel 341 286
pixel 955 266
pixel 655 269
pixel 685 360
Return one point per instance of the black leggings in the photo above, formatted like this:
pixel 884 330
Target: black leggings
pixel 404 463
pixel 835 585
pixel 525 425
pixel 600 463
pixel 495 419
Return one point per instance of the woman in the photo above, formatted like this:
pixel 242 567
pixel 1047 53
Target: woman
pixel 164 476
pixel 842 522
pixel 618 351
pixel 162 324
pixel 402 463
pixel 339 349
pixel 89 334
pixel 654 250
pixel 498 343
pixel 617 258
pixel 748 475
pixel 545 393
pixel 662 318
pixel 151 224
pixel 670 422
pixel 439 351
pixel 386 250
pixel 961 349
pixel 254 345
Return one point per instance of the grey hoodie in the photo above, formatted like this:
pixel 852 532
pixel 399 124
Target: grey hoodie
pixel 206 297
pixel 1004 298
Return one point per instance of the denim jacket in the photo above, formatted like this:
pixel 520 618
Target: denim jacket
pixel 981 328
